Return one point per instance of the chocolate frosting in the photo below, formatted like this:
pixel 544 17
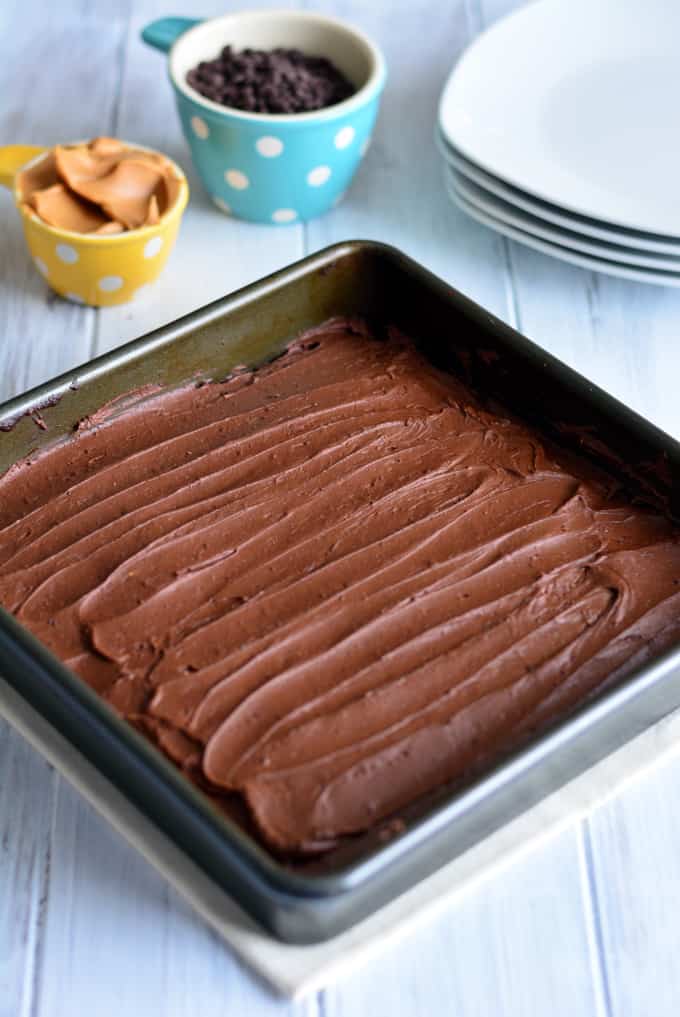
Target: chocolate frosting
pixel 336 583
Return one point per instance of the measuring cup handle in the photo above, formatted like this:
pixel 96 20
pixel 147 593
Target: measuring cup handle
pixel 12 158
pixel 162 33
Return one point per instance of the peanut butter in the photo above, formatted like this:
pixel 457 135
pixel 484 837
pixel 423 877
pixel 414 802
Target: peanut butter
pixel 100 187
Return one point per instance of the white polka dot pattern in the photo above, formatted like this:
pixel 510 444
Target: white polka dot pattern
pixel 344 137
pixel 221 203
pixel 110 283
pixel 67 254
pixel 269 146
pixel 318 176
pixel 41 266
pixel 284 215
pixel 236 179
pixel 200 128
pixel 74 298
pixel 152 247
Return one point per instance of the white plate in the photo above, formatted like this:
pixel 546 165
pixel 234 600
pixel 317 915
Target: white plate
pixel 563 253
pixel 515 217
pixel 576 101
pixel 632 239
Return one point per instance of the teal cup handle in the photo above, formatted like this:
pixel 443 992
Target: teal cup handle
pixel 161 34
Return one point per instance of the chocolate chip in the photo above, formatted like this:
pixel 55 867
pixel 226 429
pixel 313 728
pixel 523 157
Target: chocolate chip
pixel 276 81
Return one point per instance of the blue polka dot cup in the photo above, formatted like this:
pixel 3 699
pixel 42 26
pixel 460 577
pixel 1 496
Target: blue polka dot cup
pixel 264 167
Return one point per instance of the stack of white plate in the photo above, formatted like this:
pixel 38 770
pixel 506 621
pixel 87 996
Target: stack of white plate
pixel 560 127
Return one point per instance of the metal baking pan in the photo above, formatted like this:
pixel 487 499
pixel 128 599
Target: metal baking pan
pixel 308 905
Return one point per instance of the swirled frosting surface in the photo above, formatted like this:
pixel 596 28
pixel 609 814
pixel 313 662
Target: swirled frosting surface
pixel 334 584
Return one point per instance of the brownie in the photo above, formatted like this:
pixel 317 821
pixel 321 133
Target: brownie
pixel 332 585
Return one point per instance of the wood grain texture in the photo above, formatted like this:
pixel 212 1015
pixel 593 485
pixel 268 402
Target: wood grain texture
pixel 633 847
pixel 41 335
pixel 118 939
pixel 516 945
pixel 26 807
pixel 585 926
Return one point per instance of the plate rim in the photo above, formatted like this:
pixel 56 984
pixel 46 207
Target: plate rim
pixel 531 11
pixel 588 262
pixel 553 234
pixel 548 211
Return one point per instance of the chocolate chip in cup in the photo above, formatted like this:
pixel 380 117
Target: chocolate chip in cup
pixel 274 81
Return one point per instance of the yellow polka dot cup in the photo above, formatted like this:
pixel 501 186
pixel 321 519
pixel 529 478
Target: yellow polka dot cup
pixel 98 270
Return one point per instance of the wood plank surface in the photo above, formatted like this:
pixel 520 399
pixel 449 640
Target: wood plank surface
pixel 587 925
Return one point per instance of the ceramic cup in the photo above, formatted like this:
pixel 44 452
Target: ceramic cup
pixel 95 270
pixel 273 168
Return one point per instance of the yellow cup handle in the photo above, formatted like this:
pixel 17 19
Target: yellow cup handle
pixel 12 158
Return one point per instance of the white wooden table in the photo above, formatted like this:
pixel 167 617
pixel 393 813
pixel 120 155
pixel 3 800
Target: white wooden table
pixel 586 926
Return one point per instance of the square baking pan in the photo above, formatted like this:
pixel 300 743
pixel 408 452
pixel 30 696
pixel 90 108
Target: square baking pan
pixel 55 709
